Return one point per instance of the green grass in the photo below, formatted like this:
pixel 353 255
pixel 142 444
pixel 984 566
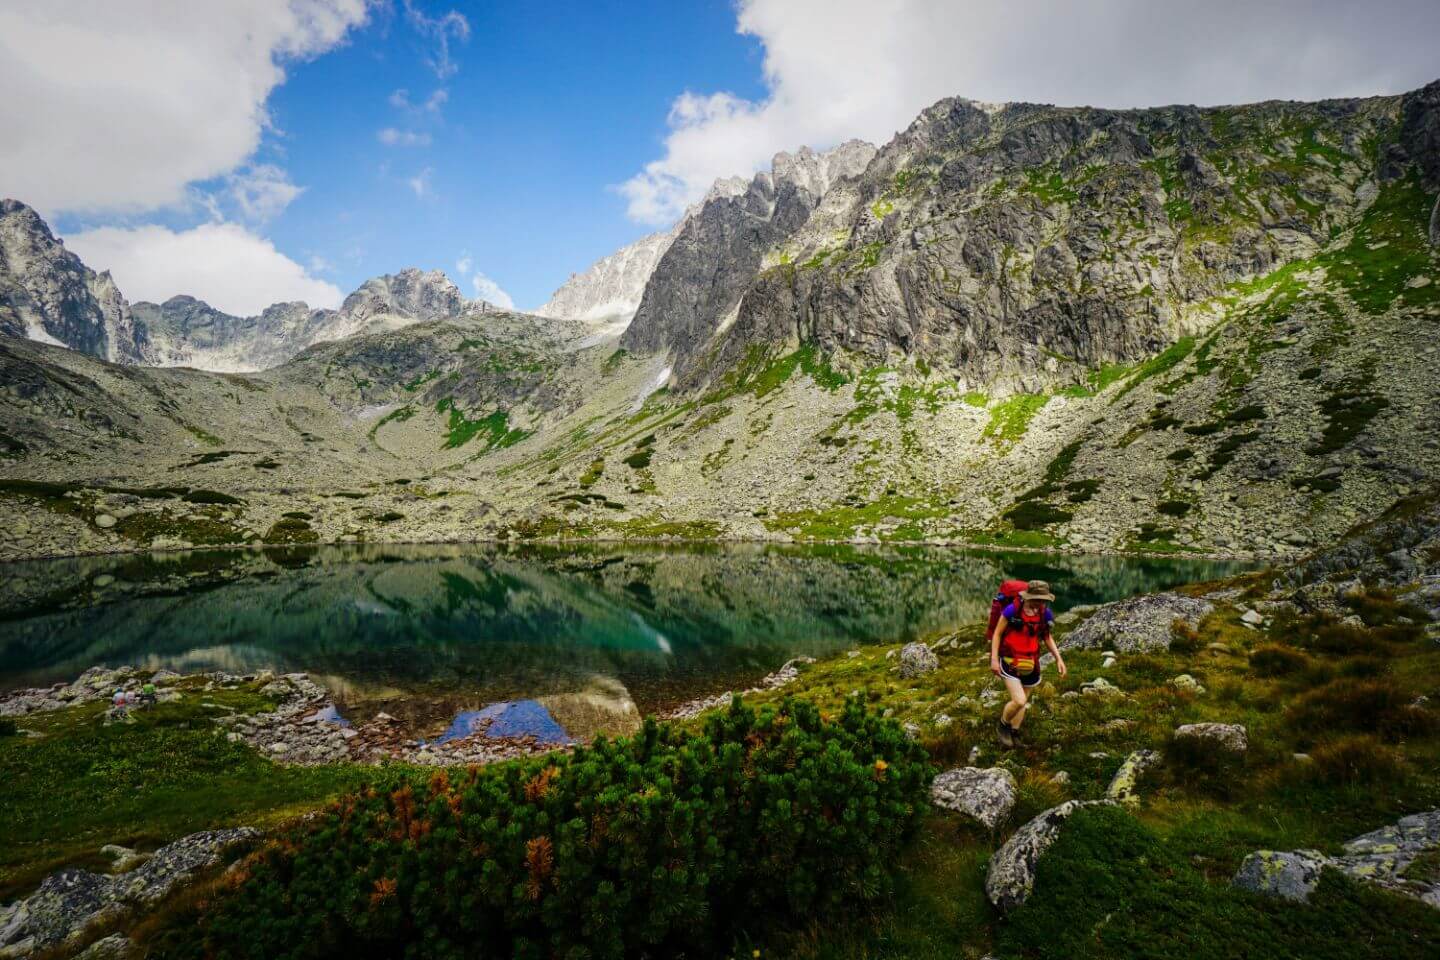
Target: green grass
pixel 1110 887
pixel 1160 364
pixel 761 372
pixel 81 785
pixel 843 521
pixel 1010 418
pixel 493 429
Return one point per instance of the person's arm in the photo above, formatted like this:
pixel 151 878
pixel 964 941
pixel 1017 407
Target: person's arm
pixel 1055 652
pixel 995 646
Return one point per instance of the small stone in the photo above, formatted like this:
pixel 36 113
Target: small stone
pixel 1100 687
pixel 104 521
pixel 1061 778
pixel 102 581
pixel 1252 617
pixel 1125 784
pixel 1224 736
pixel 917 659
pixel 1187 683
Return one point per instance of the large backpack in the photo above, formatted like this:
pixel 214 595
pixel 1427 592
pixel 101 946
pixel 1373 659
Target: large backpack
pixel 1008 593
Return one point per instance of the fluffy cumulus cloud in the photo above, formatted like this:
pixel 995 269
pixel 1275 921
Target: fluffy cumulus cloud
pixel 836 69
pixel 225 264
pixel 118 106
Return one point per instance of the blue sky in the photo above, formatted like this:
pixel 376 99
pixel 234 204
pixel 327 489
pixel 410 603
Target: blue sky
pixel 250 151
pixel 550 107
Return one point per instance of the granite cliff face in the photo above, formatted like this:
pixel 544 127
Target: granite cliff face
pixel 697 284
pixel 47 294
pixel 1019 244
pixel 609 290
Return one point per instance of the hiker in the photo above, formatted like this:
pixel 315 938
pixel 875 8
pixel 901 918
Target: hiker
pixel 1015 652
pixel 148 697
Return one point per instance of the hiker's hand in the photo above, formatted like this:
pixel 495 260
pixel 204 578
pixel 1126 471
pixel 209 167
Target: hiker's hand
pixel 1060 665
pixel 995 666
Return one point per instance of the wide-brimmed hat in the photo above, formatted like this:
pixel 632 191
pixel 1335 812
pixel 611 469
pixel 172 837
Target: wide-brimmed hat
pixel 1037 590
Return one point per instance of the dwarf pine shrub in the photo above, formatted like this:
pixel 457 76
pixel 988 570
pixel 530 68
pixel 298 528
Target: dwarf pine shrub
pixel 656 845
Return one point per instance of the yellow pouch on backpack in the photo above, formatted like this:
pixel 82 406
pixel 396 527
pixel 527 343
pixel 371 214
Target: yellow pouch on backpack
pixel 1021 665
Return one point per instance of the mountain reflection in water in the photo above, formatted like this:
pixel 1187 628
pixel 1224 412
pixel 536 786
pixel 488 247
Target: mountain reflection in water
pixel 454 626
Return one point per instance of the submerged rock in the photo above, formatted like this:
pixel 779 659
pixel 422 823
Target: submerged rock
pixel 985 795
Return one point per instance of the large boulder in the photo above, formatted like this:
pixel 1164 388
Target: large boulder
pixel 1011 876
pixel 1137 625
pixel 1289 874
pixel 917 658
pixel 1224 736
pixel 986 795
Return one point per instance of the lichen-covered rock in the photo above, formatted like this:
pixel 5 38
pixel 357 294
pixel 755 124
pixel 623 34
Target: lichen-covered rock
pixel 1100 687
pixel 1137 625
pixel 117 946
pixel 1124 785
pixel 917 658
pixel 1224 736
pixel 1187 683
pixel 987 795
pixel 1011 875
pixel 1289 874
pixel 71 900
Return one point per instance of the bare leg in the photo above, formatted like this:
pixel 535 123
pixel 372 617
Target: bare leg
pixel 1014 712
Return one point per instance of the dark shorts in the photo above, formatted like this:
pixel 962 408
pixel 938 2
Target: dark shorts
pixel 1026 680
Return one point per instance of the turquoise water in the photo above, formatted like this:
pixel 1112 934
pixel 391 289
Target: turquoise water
pixel 457 627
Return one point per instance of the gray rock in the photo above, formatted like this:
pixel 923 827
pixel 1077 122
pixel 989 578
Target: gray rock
pixel 1187 683
pixel 1224 736
pixel 117 946
pixel 1137 625
pixel 1125 784
pixel 70 901
pixel 1011 875
pixel 985 795
pixel 1292 874
pixel 915 659
pixel 1100 687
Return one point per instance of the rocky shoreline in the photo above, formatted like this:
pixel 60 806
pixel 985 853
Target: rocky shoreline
pixel 304 729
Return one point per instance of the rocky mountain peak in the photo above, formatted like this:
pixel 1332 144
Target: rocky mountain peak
pixel 48 294
pixel 411 293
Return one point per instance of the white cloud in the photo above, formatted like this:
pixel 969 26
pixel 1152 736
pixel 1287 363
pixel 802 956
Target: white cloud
pixel 487 289
pixel 439 30
pixel 836 69
pixel 420 183
pixel 392 137
pixel 400 100
pixel 118 106
pixel 223 264
pixel 262 191
pixel 463 265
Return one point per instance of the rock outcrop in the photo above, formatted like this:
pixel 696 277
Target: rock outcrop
pixel 1137 625
pixel 1382 857
pixel 609 290
pixel 70 901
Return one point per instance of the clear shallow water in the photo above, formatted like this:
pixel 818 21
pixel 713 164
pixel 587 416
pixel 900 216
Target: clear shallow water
pixel 428 633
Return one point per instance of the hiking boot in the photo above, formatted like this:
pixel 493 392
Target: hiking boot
pixel 1015 737
pixel 1005 734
